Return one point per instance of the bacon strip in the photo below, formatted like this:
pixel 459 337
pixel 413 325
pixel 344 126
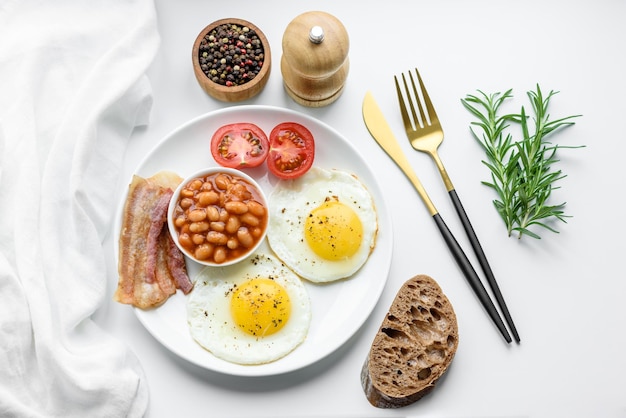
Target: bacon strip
pixel 150 270
pixel 162 272
pixel 158 216
pixel 177 267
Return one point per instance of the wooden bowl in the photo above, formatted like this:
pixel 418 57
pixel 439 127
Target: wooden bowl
pixel 239 90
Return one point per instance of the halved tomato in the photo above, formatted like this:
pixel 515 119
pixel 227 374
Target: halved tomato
pixel 239 145
pixel 292 150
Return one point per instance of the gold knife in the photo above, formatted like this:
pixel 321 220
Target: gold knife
pixel 382 133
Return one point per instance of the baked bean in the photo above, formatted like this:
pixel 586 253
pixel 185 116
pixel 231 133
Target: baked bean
pixel 223 215
pixel 241 191
pixel 208 198
pixel 236 207
pixel 196 227
pixel 220 255
pixel 222 182
pixel 195 184
pixel 203 251
pixel 197 239
pixel 232 225
pixel 244 237
pixel 219 217
pixel 217 226
pixel 232 243
pixel 185 240
pixel 186 203
pixel 213 213
pixel 256 208
pixel 197 215
pixel 250 219
pixel 215 237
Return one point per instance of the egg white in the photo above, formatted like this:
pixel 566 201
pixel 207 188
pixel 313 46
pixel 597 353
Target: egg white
pixel 211 324
pixel 290 203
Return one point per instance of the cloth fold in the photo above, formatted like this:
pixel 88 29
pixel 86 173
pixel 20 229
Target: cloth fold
pixel 72 89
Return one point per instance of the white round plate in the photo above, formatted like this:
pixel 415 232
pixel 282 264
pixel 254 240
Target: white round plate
pixel 339 309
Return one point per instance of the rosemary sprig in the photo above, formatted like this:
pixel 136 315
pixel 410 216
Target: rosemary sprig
pixel 522 172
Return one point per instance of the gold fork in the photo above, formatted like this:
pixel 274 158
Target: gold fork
pixel 426 134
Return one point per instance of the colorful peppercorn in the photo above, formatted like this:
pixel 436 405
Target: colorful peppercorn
pixel 231 54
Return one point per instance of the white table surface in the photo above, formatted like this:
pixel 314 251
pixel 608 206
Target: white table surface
pixel 565 291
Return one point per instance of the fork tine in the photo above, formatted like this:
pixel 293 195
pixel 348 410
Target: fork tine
pixel 403 111
pixel 421 121
pixel 432 115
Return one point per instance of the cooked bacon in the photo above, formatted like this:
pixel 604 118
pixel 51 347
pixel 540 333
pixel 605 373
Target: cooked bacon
pixel 150 270
pixel 177 267
pixel 157 221
pixel 162 272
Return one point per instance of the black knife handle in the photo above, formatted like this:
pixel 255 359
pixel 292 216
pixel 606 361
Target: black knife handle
pixel 471 276
pixel 482 259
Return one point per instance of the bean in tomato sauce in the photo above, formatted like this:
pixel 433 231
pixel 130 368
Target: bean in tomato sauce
pixel 219 217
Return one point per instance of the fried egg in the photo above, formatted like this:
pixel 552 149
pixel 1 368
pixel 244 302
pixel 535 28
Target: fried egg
pixel 253 312
pixel 323 225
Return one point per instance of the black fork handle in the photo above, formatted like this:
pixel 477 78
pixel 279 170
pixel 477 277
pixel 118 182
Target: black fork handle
pixel 471 276
pixel 482 259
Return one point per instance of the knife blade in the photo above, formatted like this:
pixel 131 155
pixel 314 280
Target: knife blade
pixel 381 132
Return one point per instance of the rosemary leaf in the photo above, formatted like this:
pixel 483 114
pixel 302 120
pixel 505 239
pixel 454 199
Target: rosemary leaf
pixel 522 172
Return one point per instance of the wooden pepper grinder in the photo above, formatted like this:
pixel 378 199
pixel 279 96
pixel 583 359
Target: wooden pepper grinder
pixel 315 60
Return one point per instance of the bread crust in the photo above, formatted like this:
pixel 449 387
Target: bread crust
pixel 413 347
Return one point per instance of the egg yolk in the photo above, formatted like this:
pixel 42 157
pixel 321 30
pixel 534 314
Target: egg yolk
pixel 260 307
pixel 333 231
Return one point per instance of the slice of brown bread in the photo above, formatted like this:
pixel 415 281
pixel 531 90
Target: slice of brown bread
pixel 413 347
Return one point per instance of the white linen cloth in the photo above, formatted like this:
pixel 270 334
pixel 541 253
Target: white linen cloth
pixel 72 89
